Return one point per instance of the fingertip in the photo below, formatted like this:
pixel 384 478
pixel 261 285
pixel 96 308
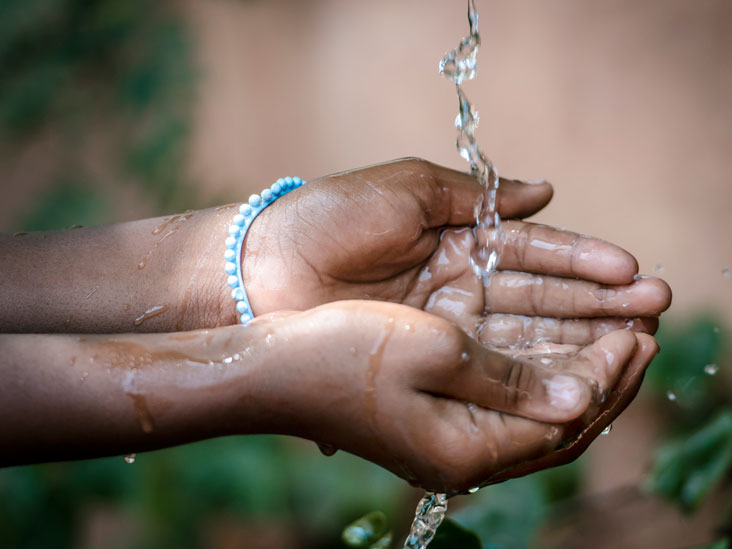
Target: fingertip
pixel 616 349
pixel 647 345
pixel 519 199
pixel 567 397
pixel 648 325
pixel 607 263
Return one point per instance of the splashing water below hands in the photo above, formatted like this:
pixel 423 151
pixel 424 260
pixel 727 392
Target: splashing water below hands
pixel 458 65
pixel 429 515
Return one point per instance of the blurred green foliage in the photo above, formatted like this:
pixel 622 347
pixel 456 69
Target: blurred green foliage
pixel 688 469
pixel 503 516
pixel 121 71
pixel 111 71
pixel 698 456
pixel 678 372
pixel 66 204
pixel 173 493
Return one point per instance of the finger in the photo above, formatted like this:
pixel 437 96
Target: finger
pixel 503 383
pixel 540 295
pixel 502 330
pixel 541 249
pixel 455 194
pixel 603 361
pixel 477 443
pixel 623 394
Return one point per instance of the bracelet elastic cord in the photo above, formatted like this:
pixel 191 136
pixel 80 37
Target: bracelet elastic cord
pixel 238 231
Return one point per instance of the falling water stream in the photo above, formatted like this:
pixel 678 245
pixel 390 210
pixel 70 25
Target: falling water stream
pixel 458 65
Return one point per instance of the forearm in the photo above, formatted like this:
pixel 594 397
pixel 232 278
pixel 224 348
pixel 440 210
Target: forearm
pixel 154 275
pixel 68 397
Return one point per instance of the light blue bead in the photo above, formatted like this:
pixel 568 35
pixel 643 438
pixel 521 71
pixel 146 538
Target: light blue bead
pixel 234 230
pixel 239 220
pixel 281 181
pixel 230 242
pixel 229 255
pixel 297 181
pixel 245 210
pixel 267 195
pixel 245 318
pixel 255 200
pixel 289 182
pixel 230 268
pixel 276 189
pixel 237 293
pixel 232 281
pixel 242 307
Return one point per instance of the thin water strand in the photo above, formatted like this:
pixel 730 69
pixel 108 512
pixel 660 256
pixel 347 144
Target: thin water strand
pixel 429 515
pixel 459 65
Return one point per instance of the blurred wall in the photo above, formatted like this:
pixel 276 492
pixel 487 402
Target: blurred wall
pixel 623 105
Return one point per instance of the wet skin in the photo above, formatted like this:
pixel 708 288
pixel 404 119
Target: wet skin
pixel 398 386
pixel 397 232
pixel 383 380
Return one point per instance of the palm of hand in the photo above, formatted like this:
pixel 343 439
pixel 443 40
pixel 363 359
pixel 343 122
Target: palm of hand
pixel 397 232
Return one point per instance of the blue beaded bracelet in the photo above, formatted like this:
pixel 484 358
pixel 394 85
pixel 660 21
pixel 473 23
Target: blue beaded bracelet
pixel 238 230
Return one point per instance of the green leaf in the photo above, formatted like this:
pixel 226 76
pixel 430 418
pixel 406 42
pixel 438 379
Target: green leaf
pixel 721 544
pixel 506 515
pixel 451 535
pixel 687 470
pixel 371 530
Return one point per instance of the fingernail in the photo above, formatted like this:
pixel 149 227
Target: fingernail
pixel 535 181
pixel 564 392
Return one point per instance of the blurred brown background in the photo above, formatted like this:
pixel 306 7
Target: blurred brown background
pixel 625 106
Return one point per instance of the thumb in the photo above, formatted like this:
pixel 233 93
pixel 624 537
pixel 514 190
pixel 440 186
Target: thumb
pixel 459 191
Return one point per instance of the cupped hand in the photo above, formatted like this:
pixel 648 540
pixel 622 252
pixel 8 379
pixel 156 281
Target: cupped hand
pixel 400 232
pixel 412 392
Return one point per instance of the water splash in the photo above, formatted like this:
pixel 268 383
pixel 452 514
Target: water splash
pixel 130 458
pixel 430 513
pixel 606 431
pixel 711 369
pixel 458 65
pixel 671 396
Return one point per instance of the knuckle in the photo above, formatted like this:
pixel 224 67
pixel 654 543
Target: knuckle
pixel 518 381
pixel 537 294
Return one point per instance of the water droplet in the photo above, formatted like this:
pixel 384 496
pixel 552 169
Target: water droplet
pixel 545 361
pixel 150 313
pixel 658 268
pixel 84 376
pixel 327 449
pixel 465 357
pixel 671 395
pixel 711 369
pixel 130 458
pixel 606 430
pixel 725 272
pixel 474 489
